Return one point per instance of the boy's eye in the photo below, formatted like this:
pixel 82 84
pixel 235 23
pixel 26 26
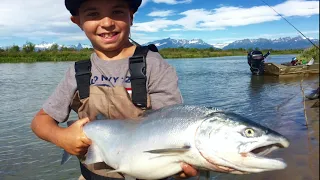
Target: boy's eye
pixel 93 14
pixel 118 12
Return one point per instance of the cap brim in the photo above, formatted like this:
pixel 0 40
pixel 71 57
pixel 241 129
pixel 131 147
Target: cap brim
pixel 74 5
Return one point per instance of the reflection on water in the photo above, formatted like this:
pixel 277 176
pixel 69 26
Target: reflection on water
pixel 225 83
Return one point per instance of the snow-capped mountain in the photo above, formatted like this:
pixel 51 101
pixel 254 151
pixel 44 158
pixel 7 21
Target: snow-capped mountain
pixel 261 43
pixel 277 44
pixel 176 43
pixel 46 45
pixel 220 45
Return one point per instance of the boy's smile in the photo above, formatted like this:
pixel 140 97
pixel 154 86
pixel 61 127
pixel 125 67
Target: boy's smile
pixel 109 37
pixel 106 23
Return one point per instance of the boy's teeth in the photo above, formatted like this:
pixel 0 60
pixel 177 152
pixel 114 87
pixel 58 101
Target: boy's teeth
pixel 108 35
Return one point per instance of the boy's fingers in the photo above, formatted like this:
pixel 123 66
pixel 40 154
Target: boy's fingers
pixel 83 121
pixel 86 140
pixel 188 170
pixel 181 176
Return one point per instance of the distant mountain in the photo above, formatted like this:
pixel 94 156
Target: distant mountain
pixel 261 43
pixel 176 43
pixel 277 44
pixel 43 46
pixel 46 45
pixel 220 45
pixel 80 46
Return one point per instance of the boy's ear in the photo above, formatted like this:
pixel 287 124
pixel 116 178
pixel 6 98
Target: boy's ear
pixel 76 20
pixel 131 16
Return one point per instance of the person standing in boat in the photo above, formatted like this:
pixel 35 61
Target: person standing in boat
pixel 121 80
pixel 294 61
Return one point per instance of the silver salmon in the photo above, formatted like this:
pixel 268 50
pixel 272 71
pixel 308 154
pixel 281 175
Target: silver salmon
pixel 208 139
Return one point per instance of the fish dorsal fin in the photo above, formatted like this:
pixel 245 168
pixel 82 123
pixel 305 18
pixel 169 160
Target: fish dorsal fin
pixel 170 150
pixel 93 155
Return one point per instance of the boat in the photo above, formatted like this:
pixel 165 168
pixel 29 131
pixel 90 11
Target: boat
pixel 256 62
pixel 259 67
pixel 279 69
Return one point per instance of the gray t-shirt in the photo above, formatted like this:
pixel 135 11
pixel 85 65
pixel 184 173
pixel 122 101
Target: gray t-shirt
pixel 162 83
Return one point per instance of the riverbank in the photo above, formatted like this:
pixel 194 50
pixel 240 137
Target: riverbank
pixel 312 113
pixel 10 56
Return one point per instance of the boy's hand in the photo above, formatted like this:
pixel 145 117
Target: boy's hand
pixel 73 140
pixel 188 171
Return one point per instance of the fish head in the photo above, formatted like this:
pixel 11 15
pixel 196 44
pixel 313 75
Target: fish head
pixel 234 144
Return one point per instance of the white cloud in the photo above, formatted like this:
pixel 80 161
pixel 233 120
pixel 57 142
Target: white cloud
pixel 35 19
pixel 230 16
pixel 74 37
pixel 173 1
pixel 22 13
pixel 163 13
pixel 49 19
pixel 152 26
pixel 297 8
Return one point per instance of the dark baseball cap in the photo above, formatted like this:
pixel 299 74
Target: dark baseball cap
pixel 74 5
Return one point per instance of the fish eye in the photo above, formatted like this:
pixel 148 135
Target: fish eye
pixel 249 132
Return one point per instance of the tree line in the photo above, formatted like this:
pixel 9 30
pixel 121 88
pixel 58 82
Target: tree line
pixel 29 53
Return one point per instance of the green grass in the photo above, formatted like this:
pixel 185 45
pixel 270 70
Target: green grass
pixel 13 55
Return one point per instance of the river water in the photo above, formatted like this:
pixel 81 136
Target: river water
pixel 224 82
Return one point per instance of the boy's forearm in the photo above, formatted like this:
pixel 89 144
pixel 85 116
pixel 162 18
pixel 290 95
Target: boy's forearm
pixel 46 128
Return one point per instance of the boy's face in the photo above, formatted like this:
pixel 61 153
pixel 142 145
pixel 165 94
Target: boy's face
pixel 106 23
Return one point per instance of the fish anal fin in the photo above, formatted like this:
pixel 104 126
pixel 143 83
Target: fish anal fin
pixel 170 150
pixel 93 155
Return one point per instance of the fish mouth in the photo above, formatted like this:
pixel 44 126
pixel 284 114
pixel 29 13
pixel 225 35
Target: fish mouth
pixel 255 160
pixel 264 150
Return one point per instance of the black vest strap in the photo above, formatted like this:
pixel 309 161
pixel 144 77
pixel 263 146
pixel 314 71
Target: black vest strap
pixel 137 67
pixel 83 75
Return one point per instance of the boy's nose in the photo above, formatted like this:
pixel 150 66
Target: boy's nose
pixel 107 22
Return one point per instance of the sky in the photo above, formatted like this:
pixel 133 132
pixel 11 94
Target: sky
pixel 217 22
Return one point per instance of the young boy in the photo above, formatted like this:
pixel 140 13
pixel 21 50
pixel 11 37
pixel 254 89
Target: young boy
pixel 106 23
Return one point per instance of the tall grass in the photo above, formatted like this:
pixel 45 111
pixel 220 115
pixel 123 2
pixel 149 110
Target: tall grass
pixel 307 54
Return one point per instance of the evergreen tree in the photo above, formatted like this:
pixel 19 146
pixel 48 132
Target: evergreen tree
pixel 54 47
pixel 28 47
pixel 14 49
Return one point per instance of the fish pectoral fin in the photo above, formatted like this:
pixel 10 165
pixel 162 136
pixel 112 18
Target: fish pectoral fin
pixel 170 150
pixel 65 157
pixel 93 155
